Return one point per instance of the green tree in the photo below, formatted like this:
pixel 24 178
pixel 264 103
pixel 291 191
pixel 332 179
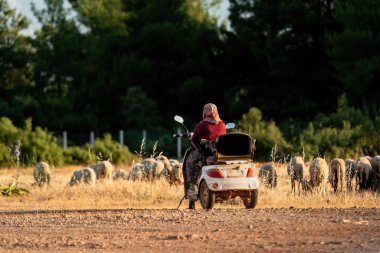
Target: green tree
pixel 356 52
pixel 159 46
pixel 268 136
pixel 15 65
pixel 346 133
pixel 58 64
pixel 278 56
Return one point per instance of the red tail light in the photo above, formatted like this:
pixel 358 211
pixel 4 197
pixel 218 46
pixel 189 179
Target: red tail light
pixel 215 173
pixel 250 172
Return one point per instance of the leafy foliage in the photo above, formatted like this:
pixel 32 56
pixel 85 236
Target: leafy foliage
pixel 356 51
pixel 12 189
pixel 110 150
pixel 267 134
pixel 102 66
pixel 346 133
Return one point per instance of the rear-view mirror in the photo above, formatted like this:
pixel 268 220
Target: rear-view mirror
pixel 230 126
pixel 179 119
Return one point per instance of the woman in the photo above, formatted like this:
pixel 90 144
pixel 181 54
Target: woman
pixel 209 128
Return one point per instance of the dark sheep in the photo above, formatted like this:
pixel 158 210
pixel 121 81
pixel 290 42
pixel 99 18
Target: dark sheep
pixel 296 171
pixel 268 175
pixel 375 163
pixel 364 173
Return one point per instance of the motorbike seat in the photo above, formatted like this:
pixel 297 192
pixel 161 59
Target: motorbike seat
pixel 234 146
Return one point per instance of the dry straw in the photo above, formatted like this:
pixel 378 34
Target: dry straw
pixel 159 194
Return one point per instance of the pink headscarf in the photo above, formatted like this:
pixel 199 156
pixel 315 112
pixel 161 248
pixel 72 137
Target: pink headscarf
pixel 210 113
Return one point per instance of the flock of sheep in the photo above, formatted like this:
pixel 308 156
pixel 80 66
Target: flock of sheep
pixel 339 173
pixel 365 172
pixel 148 169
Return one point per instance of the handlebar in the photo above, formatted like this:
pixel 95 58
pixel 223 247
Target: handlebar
pixel 187 135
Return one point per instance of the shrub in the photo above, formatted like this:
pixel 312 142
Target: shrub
pixel 110 149
pixel 76 155
pixel 346 133
pixel 39 145
pixel 12 189
pixel 35 145
pixel 267 134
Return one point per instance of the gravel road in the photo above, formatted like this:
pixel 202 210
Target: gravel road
pixel 217 230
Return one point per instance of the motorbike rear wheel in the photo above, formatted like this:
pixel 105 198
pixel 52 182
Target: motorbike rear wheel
pixel 250 202
pixel 207 197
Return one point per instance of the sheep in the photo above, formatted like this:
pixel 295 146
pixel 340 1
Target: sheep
pixel 167 166
pixel 364 173
pixel 173 162
pixel 306 186
pixel 337 171
pixel 296 171
pixel 268 175
pixel 83 176
pixel 103 170
pixel 153 169
pixel 319 174
pixel 375 163
pixel 176 176
pixel 42 174
pixel 137 173
pixel 351 172
pixel 120 174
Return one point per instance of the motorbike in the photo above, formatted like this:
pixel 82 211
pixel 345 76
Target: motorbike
pixel 227 169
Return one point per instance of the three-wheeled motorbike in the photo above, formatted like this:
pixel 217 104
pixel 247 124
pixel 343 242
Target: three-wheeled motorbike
pixel 227 172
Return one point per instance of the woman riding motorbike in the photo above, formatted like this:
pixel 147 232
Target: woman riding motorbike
pixel 209 128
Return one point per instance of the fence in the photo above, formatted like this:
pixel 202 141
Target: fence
pixel 121 137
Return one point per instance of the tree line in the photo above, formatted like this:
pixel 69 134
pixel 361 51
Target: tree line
pixel 133 64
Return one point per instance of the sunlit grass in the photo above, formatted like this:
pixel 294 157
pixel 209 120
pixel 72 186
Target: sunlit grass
pixel 159 194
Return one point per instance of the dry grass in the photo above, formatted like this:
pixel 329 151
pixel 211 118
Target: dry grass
pixel 126 194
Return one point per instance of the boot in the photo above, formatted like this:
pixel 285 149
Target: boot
pixel 192 193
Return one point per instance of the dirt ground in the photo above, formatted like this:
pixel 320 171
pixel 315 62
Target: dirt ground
pixel 217 230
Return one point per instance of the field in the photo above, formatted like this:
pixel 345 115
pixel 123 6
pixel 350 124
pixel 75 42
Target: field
pixel 125 194
pixel 142 216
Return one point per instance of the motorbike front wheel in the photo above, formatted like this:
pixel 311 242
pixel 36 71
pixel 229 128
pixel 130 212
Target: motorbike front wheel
pixel 207 197
pixel 250 202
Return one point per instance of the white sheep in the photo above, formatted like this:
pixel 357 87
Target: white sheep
pixel 319 173
pixel 103 170
pixel 137 172
pixel 42 174
pixel 83 176
pixel 337 170
pixel 176 175
pixel 173 161
pixel 168 164
pixel 296 171
pixel 120 174
pixel 153 169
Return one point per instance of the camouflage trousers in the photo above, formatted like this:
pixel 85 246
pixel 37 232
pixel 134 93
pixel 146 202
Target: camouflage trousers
pixel 194 166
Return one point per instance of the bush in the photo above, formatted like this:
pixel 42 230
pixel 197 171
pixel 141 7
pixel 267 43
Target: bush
pixel 347 133
pixel 109 149
pixel 12 189
pixel 8 137
pixel 36 145
pixel 267 134
pixel 76 155
pixel 39 145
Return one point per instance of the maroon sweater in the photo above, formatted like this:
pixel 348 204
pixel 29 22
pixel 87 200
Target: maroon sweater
pixel 207 130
